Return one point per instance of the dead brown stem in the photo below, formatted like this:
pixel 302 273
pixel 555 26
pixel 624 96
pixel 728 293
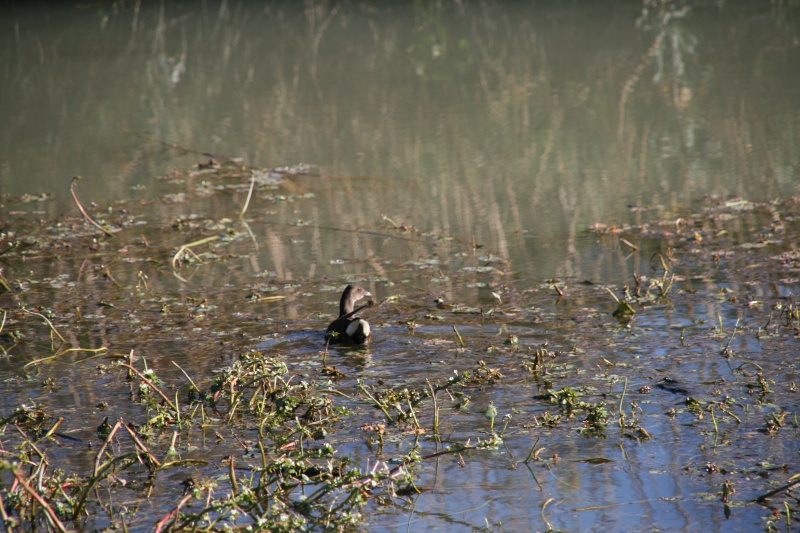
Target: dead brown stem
pixel 83 211
pixel 51 515
pixel 151 385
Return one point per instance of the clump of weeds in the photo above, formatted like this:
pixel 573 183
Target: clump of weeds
pixel 291 476
pixel 569 404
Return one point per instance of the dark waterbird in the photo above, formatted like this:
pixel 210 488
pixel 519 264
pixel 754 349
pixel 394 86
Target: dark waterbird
pixel 349 329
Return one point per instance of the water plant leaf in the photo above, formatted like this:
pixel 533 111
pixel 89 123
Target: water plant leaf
pixel 593 460
pixel 623 309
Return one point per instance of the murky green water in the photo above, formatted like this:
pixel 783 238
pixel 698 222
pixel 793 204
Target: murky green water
pixel 518 125
pixel 460 151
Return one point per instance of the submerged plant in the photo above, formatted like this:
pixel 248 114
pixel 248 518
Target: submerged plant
pixel 596 419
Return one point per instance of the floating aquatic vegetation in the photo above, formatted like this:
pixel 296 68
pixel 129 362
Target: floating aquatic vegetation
pixel 286 436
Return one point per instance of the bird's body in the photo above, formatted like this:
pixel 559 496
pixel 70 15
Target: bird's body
pixel 347 328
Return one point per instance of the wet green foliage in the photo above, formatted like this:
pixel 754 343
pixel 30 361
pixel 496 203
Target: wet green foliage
pixel 289 477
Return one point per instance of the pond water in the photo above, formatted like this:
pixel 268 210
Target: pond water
pixel 514 159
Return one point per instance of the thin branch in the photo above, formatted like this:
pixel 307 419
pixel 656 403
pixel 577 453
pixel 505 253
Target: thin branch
pixel 186 248
pixel 52 517
pixel 83 211
pixel 249 195
pixel 52 327
pixel 151 385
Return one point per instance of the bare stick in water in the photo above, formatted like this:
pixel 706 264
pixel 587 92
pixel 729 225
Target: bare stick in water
pixel 83 211
pixel 249 195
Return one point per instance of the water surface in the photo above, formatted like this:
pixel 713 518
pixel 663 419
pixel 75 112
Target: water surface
pixel 455 150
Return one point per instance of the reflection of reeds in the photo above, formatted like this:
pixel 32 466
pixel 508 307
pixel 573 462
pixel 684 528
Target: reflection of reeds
pixel 512 130
pixel 633 79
